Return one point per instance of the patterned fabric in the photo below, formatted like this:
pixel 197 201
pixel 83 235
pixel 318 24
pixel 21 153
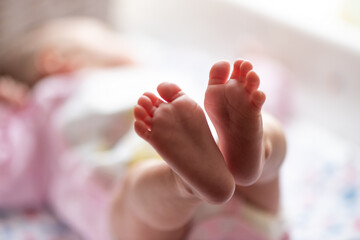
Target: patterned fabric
pixel 321 184
pixel 33 224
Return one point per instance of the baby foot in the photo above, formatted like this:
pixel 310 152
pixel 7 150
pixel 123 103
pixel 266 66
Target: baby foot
pixel 234 107
pixel 178 130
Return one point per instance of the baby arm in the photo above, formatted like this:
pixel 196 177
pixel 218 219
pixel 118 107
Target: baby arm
pixel 12 92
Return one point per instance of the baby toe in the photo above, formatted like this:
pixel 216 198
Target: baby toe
pixel 236 74
pixel 219 73
pixel 147 104
pixel 258 98
pixel 252 81
pixel 245 67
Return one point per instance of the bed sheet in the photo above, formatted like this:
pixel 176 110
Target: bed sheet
pixel 321 184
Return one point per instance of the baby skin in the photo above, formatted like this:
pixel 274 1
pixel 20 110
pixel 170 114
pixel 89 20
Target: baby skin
pixel 159 198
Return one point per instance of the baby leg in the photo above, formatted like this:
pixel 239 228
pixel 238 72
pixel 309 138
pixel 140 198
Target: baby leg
pixel 179 132
pixel 252 144
pixel 152 204
pixel 158 199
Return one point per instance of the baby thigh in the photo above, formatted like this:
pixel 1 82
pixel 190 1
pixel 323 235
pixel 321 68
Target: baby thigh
pixel 151 204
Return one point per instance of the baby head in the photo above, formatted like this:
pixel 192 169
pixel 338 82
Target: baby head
pixel 63 46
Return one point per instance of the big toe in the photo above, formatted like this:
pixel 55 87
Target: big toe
pixel 219 73
pixel 169 91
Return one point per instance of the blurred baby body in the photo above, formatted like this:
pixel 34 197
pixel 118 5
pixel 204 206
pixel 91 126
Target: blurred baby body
pixel 85 123
pixel 92 112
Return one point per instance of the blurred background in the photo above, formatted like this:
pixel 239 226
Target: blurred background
pixel 312 45
pixel 317 41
